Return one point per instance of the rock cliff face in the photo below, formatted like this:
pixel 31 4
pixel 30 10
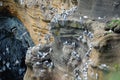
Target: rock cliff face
pixel 69 44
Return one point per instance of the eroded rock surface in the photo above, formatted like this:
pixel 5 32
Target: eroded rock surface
pixel 72 45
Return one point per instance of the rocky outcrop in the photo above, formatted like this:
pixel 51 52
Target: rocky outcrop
pixel 72 45
pixel 81 52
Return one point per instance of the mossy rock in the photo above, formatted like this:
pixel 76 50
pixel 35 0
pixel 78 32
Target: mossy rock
pixel 114 25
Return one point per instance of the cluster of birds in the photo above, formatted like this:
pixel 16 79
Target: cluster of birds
pixel 74 55
pixel 85 71
pixel 86 34
pixel 76 72
pixel 82 73
pixel 40 59
pixel 64 14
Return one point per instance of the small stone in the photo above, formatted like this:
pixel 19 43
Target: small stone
pixel 16 62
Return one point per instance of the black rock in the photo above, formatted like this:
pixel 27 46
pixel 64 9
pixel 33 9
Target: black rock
pixel 117 29
pixel 14 46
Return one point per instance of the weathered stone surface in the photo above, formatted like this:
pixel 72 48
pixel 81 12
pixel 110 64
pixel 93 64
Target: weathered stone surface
pixel 79 55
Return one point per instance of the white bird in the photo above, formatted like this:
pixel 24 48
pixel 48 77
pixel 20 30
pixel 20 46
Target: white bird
pixel 50 50
pixel 81 20
pixel 78 78
pixel 44 55
pixel 74 53
pixel 85 17
pixel 65 43
pixel 73 44
pixel 50 65
pixel 37 63
pixel 80 38
pixel 85 32
pixel 110 31
pixel 92 35
pixel 89 33
pixel 7 50
pixel 100 18
pixel 23 35
pixel 8 64
pixel 84 40
pixel 39 55
pixel 96 76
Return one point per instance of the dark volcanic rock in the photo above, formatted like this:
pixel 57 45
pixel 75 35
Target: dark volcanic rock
pixel 14 41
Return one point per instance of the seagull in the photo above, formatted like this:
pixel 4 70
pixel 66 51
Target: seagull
pixel 44 55
pixel 96 76
pixel 7 50
pixel 39 54
pixel 81 20
pixel 79 38
pixel 100 18
pixel 50 65
pixel 50 50
pixel 73 44
pixel 79 78
pixel 91 36
pixel 74 53
pixel 89 33
pixel 23 35
pixel 85 32
pixel 85 17
pixel 110 31
pixel 65 43
pixel 37 63
pixel 7 64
